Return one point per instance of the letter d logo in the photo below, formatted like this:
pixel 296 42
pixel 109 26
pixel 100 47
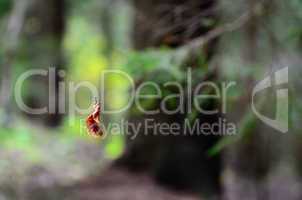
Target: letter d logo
pixel 281 117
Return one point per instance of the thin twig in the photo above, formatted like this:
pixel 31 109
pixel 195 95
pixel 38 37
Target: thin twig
pixel 196 44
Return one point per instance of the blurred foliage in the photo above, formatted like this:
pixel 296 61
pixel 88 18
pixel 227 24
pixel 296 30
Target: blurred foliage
pixel 114 147
pixel 5 6
pixel 246 127
pixel 20 139
pixel 141 64
pixel 83 48
pixel 84 51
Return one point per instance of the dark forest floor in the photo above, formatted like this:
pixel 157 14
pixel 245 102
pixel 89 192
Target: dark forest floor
pixel 119 184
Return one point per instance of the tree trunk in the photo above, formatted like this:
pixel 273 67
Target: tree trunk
pixel 44 34
pixel 180 162
pixel 11 45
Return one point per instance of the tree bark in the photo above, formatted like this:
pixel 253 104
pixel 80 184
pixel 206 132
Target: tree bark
pixel 44 32
pixel 179 162
pixel 11 44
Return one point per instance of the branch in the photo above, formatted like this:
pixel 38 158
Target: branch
pixel 11 43
pixel 194 46
pixel 15 24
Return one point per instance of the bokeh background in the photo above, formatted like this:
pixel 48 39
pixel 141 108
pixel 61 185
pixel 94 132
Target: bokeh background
pixel 51 156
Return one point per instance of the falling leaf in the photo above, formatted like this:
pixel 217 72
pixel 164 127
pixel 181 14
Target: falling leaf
pixel 93 122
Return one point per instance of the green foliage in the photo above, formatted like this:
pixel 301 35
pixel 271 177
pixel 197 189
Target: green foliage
pixel 83 46
pixel 246 127
pixel 114 147
pixel 139 64
pixel 5 6
pixel 20 139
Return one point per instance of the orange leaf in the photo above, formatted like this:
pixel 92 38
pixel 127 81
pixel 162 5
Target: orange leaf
pixel 93 122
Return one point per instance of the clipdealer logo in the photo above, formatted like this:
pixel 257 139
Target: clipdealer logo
pixel 278 78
